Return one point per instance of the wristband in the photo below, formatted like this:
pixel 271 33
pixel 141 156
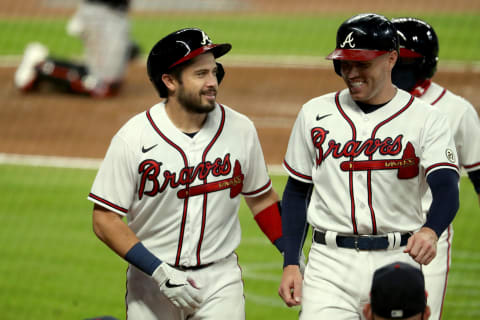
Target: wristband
pixel 142 258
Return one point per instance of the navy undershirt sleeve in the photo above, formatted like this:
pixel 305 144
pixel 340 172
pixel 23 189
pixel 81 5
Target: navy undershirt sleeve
pixel 475 178
pixel 294 218
pixel 444 186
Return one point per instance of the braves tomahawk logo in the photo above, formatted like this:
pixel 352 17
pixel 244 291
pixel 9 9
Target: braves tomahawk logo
pixel 407 165
pixel 150 171
pixel 348 40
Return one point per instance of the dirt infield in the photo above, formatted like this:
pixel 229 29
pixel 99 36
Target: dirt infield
pixel 47 123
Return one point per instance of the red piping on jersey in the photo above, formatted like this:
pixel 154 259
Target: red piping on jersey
pixel 298 174
pixel 108 203
pixel 470 166
pixel 185 202
pixel 439 97
pixel 442 164
pixel 258 190
pixel 449 241
pixel 204 156
pixel 369 172
pixel 350 174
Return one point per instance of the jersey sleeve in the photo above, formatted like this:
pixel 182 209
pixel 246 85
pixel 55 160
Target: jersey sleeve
pixel 438 145
pixel 256 180
pixel 298 160
pixel 468 148
pixel 113 187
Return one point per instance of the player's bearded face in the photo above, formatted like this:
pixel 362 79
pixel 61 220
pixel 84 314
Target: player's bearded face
pixel 197 89
pixel 369 81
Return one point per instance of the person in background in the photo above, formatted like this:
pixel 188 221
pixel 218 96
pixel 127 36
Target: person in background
pixel 104 28
pixel 398 292
pixel 413 72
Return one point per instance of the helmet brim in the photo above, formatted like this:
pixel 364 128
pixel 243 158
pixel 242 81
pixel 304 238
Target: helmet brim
pixel 355 54
pixel 407 53
pixel 218 50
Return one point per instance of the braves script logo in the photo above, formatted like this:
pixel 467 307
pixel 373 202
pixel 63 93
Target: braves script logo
pixel 407 165
pixel 348 40
pixel 150 171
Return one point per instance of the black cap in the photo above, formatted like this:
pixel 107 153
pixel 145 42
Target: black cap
pixel 364 37
pixel 398 291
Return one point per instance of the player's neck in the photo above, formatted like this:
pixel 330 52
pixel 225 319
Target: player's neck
pixel 185 121
pixel 387 94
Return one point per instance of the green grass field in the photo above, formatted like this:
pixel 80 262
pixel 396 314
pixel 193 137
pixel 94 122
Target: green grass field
pixel 254 34
pixel 53 267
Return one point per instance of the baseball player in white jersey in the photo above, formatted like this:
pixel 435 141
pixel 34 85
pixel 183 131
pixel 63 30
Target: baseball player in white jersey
pixel 176 171
pixel 413 72
pixel 369 152
pixel 104 28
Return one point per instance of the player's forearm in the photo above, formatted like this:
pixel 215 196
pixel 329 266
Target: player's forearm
pixel 257 204
pixel 294 219
pixel 267 212
pixel 445 199
pixel 110 229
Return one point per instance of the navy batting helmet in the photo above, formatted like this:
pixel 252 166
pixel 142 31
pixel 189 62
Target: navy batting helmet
pixel 364 37
pixel 418 52
pixel 176 49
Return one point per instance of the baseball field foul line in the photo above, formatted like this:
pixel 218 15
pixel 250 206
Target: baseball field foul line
pixel 76 163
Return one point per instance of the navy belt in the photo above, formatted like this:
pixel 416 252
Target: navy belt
pixel 361 242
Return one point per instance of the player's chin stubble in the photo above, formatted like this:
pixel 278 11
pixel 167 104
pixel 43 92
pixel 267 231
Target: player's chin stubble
pixel 194 103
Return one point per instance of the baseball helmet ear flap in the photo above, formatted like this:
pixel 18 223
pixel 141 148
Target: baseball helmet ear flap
pixel 220 72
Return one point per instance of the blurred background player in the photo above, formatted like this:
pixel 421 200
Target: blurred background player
pixel 413 72
pixel 104 28
pixel 398 292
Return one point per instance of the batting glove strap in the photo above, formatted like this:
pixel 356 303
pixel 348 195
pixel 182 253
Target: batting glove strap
pixel 177 287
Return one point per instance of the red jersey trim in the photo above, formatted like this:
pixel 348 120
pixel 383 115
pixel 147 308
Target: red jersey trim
pixel 298 174
pixel 350 174
pixel 269 183
pixel 107 203
pixel 470 166
pixel 442 164
pixel 205 196
pixel 439 97
pixel 185 202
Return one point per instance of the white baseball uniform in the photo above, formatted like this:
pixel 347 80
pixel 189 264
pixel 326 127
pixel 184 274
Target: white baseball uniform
pixel 106 35
pixel 465 125
pixel 181 197
pixel 369 173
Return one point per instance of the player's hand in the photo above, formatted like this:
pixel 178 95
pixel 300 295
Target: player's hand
pixel 291 286
pixel 177 287
pixel 422 245
pixel 302 262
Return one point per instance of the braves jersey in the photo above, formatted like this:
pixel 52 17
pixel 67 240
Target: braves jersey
pixel 180 194
pixel 368 169
pixel 464 123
